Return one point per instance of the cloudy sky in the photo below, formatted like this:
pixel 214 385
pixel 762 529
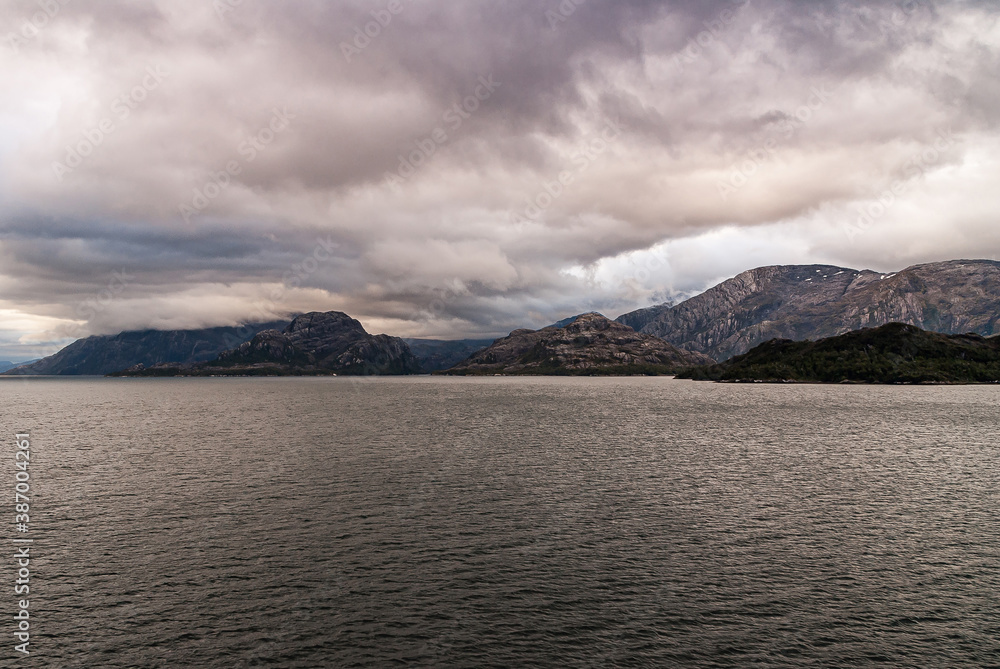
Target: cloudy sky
pixel 452 169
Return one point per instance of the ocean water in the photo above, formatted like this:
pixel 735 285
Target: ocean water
pixel 505 522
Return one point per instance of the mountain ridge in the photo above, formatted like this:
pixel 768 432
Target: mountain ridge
pixel 801 302
pixel 590 345
pixel 797 302
pixel 436 355
pixel 313 344
pixel 98 355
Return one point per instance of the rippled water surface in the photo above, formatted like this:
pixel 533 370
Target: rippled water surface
pixel 507 522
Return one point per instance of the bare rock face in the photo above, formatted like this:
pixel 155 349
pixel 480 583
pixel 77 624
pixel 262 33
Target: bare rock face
pixel 801 302
pixel 269 346
pixel 591 344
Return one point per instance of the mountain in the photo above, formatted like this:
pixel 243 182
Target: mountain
pixel 435 355
pixel 100 355
pixel 894 353
pixel 313 344
pixel 590 345
pixel 817 301
pixel 566 321
pixel 7 365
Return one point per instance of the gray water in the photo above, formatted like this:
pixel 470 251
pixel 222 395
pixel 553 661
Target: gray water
pixel 506 522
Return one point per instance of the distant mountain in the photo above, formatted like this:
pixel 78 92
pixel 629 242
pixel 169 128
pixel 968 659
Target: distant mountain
pixel 816 301
pixel 590 345
pixel 313 344
pixel 435 354
pixel 894 353
pixel 100 355
pixel 6 365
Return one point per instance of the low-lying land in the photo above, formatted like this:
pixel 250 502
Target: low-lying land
pixel 893 353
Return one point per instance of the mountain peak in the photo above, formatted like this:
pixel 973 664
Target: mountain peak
pixel 800 302
pixel 595 322
pixel 324 321
pixel 317 343
pixel 591 344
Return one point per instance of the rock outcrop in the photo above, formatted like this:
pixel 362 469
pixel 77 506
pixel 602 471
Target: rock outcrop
pixel 590 345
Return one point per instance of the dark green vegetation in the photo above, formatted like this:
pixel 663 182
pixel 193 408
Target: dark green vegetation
pixel 894 353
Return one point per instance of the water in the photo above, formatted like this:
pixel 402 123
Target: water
pixel 507 522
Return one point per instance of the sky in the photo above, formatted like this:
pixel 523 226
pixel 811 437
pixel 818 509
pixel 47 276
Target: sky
pixel 461 169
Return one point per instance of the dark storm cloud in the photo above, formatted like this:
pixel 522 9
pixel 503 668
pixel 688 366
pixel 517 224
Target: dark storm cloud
pixel 213 150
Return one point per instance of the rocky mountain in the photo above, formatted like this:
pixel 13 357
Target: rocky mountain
pixel 312 344
pixel 435 355
pixel 894 353
pixel 817 301
pixel 590 345
pixel 100 355
pixel 566 321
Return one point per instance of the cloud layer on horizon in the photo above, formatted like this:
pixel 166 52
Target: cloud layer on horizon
pixel 249 159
